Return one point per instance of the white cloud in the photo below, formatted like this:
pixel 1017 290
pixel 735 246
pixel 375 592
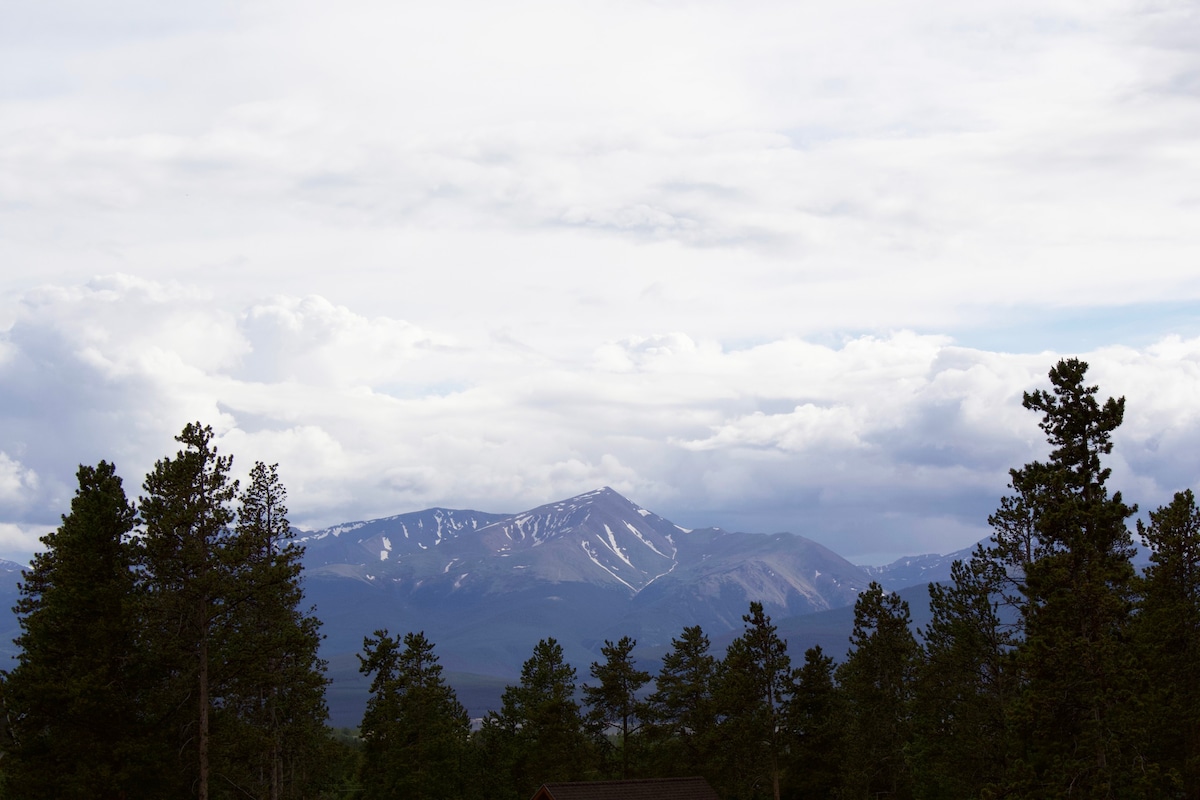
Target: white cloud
pixel 17 482
pixel 18 542
pixel 903 436
pixel 311 341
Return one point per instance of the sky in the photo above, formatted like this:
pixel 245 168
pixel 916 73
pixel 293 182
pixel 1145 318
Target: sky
pixel 772 266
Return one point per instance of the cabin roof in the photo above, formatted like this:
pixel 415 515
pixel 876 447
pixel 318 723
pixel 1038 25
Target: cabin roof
pixel 651 789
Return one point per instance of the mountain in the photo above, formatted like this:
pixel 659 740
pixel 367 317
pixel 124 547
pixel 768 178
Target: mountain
pixel 599 538
pixel 486 587
pixel 595 562
pixel 917 570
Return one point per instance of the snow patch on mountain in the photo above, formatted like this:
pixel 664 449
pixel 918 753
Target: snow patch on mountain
pixel 335 531
pixel 649 543
pixel 591 552
pixel 616 548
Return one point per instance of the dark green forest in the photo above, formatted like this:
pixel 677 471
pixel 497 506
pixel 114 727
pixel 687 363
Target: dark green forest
pixel 166 652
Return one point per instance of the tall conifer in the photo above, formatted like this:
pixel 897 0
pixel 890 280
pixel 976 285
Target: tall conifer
pixel 682 708
pixel 414 729
pixel 815 729
pixel 754 680
pixel 1074 728
pixel 613 703
pixel 538 734
pixel 187 512
pixel 876 680
pixel 272 712
pixel 76 728
pixel 1167 631
pixel 963 684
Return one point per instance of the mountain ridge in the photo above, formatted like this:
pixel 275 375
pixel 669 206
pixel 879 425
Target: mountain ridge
pixel 599 538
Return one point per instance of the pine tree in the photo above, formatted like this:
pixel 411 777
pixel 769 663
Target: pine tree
pixel 187 513
pixel 538 732
pixel 963 684
pixel 272 711
pixel 682 709
pixel 380 660
pixel 814 724
pixel 1167 632
pixel 877 682
pixel 1075 732
pixel 414 729
pixel 614 701
pixel 189 660
pixel 71 700
pixel 754 680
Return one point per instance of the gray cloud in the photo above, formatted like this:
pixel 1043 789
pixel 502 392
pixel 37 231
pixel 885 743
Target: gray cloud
pixel 883 445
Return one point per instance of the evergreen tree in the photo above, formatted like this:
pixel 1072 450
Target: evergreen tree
pixel 814 724
pixel 380 660
pixel 755 677
pixel 414 729
pixel 187 511
pixel 71 700
pixel 192 669
pixel 963 684
pixel 877 682
pixel 1075 727
pixel 272 711
pixel 682 710
pixel 1167 631
pixel 614 702
pixel 538 735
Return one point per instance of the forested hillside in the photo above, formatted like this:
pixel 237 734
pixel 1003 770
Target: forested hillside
pixel 166 652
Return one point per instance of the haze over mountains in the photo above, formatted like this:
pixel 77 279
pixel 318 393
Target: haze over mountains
pixel 485 587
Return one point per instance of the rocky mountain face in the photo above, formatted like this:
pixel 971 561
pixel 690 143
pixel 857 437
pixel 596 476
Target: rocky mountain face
pixel 583 569
pixel 486 587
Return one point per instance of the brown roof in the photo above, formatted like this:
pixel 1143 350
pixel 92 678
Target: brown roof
pixel 654 789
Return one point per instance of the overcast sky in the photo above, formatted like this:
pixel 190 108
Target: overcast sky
pixel 771 266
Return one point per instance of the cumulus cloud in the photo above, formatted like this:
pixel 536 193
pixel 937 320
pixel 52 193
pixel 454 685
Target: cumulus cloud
pixel 876 445
pixel 17 482
pixel 311 341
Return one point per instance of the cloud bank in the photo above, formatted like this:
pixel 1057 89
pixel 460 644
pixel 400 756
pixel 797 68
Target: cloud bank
pixel 879 445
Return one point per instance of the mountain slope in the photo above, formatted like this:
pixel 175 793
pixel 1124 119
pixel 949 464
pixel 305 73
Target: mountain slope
pixel 440 565
pixel 486 587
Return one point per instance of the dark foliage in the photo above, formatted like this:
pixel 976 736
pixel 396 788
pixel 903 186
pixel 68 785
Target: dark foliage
pixel 414 729
pixel 168 658
pixel 615 711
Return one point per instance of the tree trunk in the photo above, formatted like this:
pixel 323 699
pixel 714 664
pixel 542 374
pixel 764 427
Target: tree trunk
pixel 202 787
